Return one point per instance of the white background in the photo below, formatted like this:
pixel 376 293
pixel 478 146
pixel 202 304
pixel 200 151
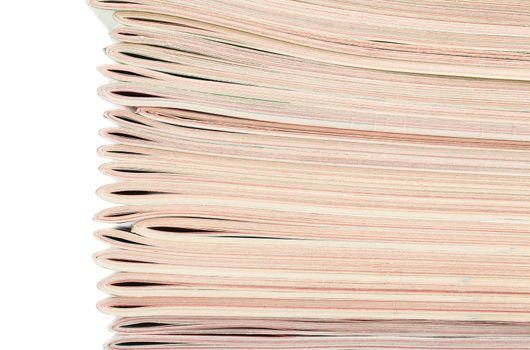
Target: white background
pixel 51 115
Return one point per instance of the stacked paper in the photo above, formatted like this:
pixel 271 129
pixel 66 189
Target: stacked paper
pixel 317 174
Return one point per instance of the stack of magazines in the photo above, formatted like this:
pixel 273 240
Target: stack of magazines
pixel 318 174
